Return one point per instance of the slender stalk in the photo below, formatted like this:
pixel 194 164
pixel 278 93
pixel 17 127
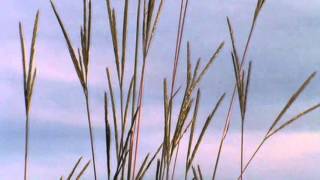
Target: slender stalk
pixel 91 134
pixel 136 54
pixel 26 147
pixel 258 8
pixel 81 62
pixel 224 134
pixel 140 98
pixel 241 154
pixel 174 164
pixel 29 76
pixel 253 155
pixel 148 34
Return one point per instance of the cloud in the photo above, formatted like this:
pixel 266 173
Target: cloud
pixel 282 157
pixel 288 155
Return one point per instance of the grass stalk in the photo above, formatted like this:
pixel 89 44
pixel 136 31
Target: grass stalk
pixel 273 129
pixel 148 34
pixel 29 77
pixel 81 63
pixel 224 134
pixel 258 8
pixel 135 71
pixel 91 134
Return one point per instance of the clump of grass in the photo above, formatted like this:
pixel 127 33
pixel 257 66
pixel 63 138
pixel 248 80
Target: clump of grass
pixel 171 143
pixel 29 78
pixel 80 60
pixel 126 124
pixel 127 140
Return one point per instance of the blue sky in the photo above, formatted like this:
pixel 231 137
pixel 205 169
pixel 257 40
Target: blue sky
pixel 285 50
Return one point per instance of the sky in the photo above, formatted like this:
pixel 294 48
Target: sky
pixel 284 51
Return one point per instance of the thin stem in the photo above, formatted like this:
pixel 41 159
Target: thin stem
pixel 225 132
pixel 146 41
pixel 175 162
pixel 26 148
pixel 140 98
pixel 241 159
pixel 90 133
pixel 251 158
pixel 136 55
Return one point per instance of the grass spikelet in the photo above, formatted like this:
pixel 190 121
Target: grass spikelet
pixel 291 101
pixel 293 119
pixel 212 59
pixel 70 47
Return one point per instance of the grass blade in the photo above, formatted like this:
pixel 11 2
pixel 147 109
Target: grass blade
pixel 83 171
pixel 204 129
pixel 291 101
pixel 74 168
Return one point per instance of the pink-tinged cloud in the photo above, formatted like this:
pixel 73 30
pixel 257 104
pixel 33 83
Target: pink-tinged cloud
pixel 286 156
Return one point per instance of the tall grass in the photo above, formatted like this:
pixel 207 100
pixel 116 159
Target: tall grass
pixel 242 83
pixel 145 32
pixel 123 113
pixel 80 60
pixel 29 78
